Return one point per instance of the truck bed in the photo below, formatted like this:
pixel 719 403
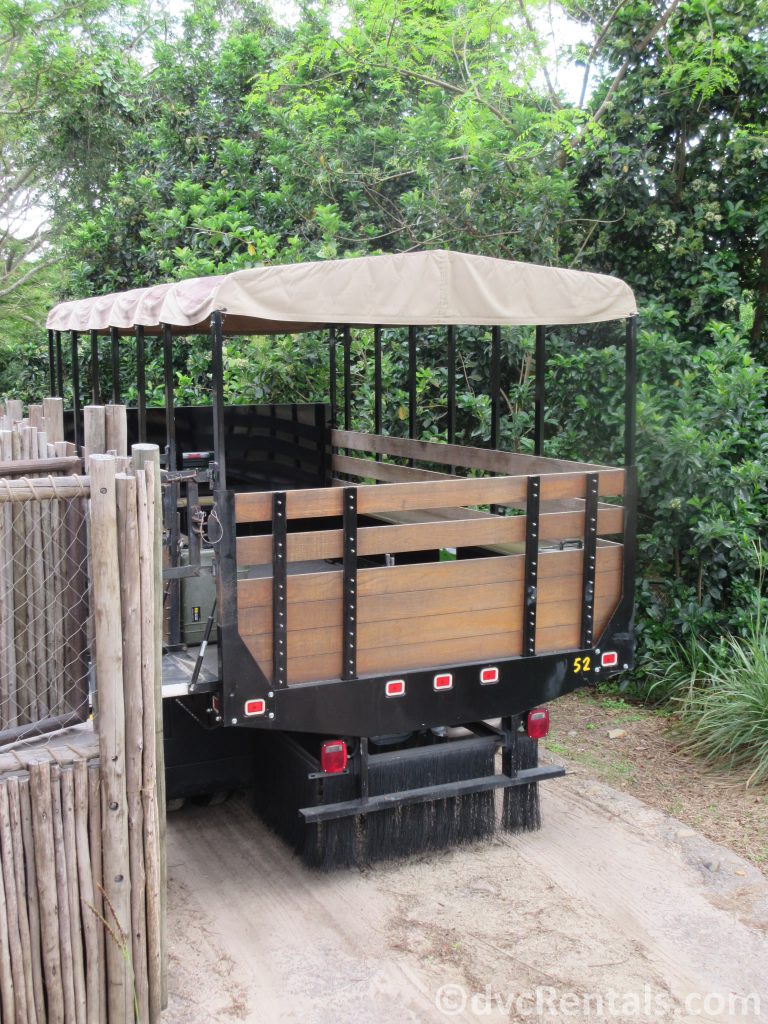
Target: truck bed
pixel 414 609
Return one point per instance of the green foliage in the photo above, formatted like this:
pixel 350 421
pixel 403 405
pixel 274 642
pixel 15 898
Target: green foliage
pixel 720 689
pixel 372 127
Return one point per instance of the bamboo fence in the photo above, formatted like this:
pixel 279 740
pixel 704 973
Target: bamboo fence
pixel 81 865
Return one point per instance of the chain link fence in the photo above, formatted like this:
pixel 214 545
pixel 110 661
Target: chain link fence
pixel 44 609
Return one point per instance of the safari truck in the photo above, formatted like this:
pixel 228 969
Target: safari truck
pixel 359 624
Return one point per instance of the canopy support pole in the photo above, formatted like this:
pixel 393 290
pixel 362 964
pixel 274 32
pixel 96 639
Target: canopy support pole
pixel 217 394
pixel 95 381
pixel 347 346
pixel 74 338
pixel 495 385
pixel 630 391
pixel 59 365
pixel 377 384
pixel 170 418
pixel 141 383
pixel 540 400
pixel 51 363
pixel 114 335
pixel 332 375
pixel 451 385
pixel 412 382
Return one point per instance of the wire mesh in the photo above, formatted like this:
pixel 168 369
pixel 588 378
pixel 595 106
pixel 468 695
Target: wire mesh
pixel 44 614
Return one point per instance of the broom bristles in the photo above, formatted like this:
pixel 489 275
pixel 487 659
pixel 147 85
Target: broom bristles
pixel 400 831
pixel 521 810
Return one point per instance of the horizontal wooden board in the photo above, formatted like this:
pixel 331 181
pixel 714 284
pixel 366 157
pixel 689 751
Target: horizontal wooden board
pixel 396 658
pixel 386 471
pixel 403 579
pixel 397 497
pixel 386 608
pixel 428 628
pixel 379 540
pixel 455 455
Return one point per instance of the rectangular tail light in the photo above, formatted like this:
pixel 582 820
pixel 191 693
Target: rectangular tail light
pixel 255 707
pixel 537 723
pixel 609 659
pixel 488 676
pixel 333 756
pixel 443 681
pixel 395 688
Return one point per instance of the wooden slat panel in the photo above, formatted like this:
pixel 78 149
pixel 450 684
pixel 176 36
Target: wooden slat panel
pixel 402 658
pixel 425 628
pixel 402 579
pixel 456 455
pixel 388 471
pixel 379 540
pixel 397 497
pixel 385 608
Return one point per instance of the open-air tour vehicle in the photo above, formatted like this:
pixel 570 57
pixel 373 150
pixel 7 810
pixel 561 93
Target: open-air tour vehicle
pixel 362 684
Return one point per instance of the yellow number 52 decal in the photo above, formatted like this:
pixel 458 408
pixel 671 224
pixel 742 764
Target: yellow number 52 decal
pixel 582 664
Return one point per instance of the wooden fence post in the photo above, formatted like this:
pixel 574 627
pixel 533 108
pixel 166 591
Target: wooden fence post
pixel 109 680
pixel 147 457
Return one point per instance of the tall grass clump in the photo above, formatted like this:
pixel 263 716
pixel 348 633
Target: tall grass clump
pixel 725 704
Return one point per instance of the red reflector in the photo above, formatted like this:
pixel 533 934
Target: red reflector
pixel 395 688
pixel 443 681
pixel 489 675
pixel 537 723
pixel 255 707
pixel 333 756
pixel 609 658
pixel 216 703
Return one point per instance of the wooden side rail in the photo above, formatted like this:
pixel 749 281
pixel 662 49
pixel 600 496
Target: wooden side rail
pixel 440 454
pixel 369 469
pixel 256 507
pixel 379 540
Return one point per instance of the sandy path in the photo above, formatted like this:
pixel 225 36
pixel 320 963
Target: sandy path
pixel 611 901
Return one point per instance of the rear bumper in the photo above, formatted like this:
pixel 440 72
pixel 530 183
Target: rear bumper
pixel 385 801
pixel 361 707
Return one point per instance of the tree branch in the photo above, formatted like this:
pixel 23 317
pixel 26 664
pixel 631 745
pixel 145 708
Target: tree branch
pixel 11 288
pixel 637 49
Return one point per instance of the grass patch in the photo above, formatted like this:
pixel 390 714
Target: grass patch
pixel 725 703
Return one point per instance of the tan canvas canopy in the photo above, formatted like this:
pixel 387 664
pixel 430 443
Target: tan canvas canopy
pixel 419 288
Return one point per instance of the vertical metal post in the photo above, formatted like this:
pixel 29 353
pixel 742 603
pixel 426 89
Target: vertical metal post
pixel 377 381
pixel 531 565
pixel 95 380
pixel 495 385
pixel 451 384
pixel 217 394
pixel 540 384
pixel 59 365
pixel 349 643
pixel 412 382
pixel 51 364
pixel 332 375
pixel 630 391
pixel 590 556
pixel 115 338
pixel 363 754
pixel 141 383
pixel 170 417
pixel 279 592
pixel 74 349
pixel 347 345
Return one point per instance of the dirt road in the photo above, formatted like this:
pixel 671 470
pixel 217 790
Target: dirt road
pixel 612 912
